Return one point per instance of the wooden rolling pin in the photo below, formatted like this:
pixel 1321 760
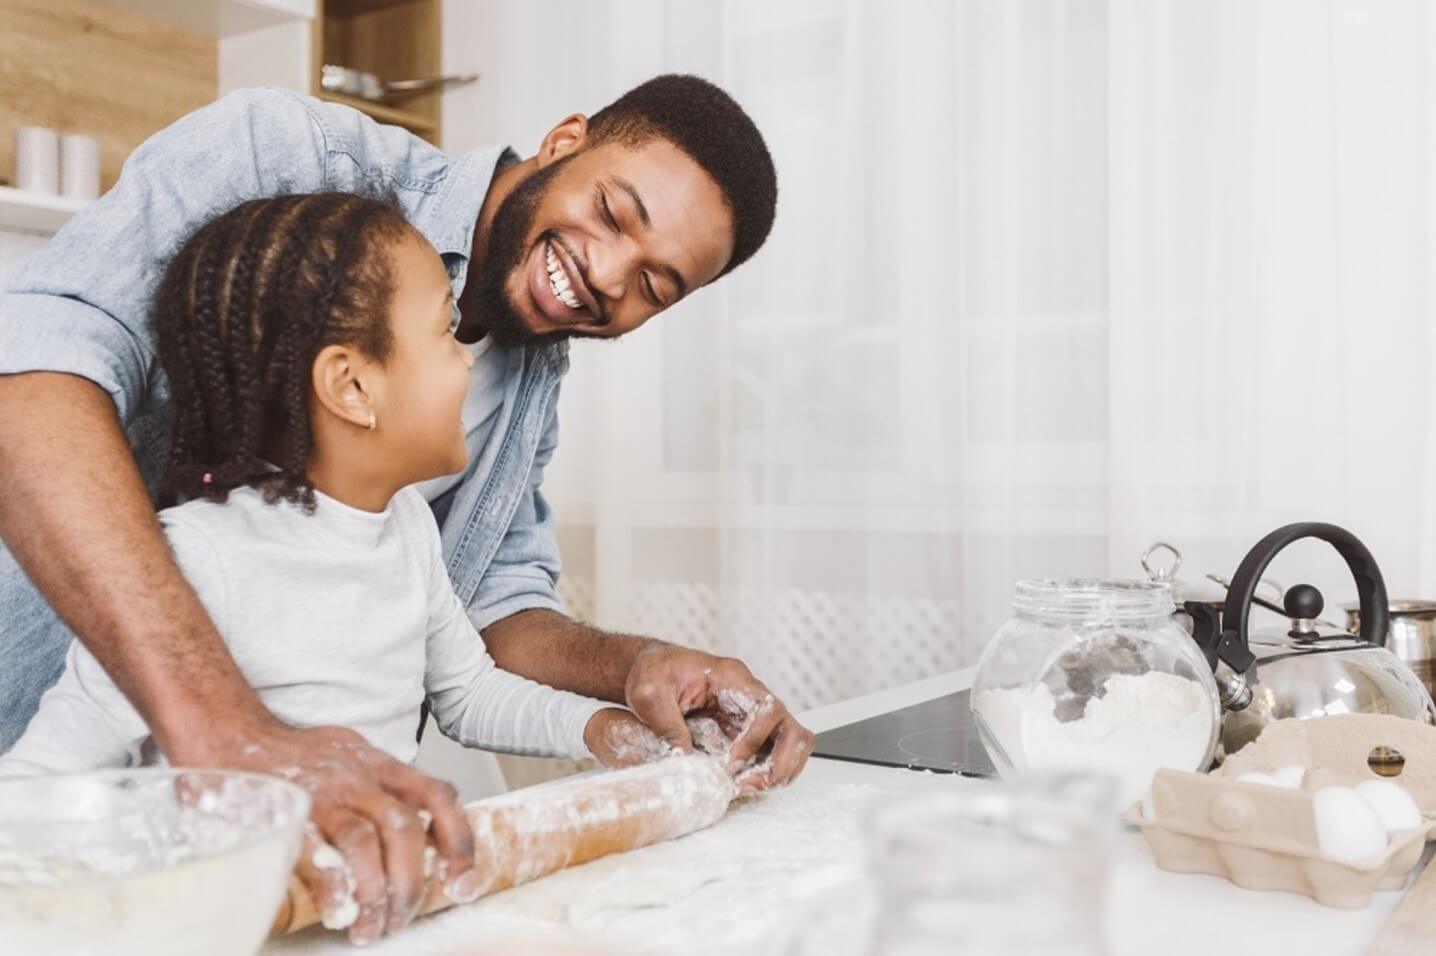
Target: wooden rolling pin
pixel 530 833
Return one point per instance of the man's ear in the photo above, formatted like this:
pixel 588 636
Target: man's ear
pixel 343 385
pixel 567 136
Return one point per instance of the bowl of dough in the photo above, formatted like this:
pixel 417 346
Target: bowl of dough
pixel 153 861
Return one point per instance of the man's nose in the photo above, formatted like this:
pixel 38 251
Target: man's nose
pixel 611 266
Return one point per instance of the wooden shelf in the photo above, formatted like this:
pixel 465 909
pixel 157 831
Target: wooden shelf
pixel 394 116
pixel 220 18
pixel 35 212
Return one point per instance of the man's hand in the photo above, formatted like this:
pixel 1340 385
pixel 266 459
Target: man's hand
pixel 363 861
pixel 667 684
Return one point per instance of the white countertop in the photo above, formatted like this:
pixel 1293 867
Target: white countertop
pixel 1151 911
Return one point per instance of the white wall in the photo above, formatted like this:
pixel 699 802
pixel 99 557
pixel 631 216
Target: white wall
pixel 274 56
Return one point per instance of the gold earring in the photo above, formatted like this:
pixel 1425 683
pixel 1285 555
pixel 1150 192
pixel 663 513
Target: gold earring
pixel 372 421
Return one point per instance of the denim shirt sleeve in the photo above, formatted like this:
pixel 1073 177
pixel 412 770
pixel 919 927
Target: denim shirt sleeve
pixel 524 572
pixel 81 304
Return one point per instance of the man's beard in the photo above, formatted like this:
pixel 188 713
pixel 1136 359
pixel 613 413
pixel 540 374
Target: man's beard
pixel 499 316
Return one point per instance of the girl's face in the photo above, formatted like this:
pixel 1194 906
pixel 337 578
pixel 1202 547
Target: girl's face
pixel 419 415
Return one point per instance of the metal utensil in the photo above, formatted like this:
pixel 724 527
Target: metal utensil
pixel 368 86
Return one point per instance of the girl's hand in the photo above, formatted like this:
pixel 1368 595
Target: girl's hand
pixel 619 739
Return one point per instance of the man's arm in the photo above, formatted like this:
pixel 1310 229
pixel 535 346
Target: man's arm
pixel 662 684
pixel 546 646
pixel 76 515
pixel 516 609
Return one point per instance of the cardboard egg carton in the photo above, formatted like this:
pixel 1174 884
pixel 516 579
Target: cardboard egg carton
pixel 1264 838
pixel 1345 746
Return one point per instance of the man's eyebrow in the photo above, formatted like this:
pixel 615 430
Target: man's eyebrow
pixel 629 188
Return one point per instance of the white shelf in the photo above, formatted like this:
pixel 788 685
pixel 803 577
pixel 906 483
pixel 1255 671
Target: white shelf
pixel 35 212
pixel 220 18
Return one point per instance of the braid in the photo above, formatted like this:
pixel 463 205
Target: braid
pixel 243 310
pixel 208 354
pixel 240 340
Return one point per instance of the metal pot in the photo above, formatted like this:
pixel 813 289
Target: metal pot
pixel 1304 671
pixel 352 82
pixel 1412 637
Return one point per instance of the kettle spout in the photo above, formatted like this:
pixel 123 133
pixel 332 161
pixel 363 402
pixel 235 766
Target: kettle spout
pixel 1232 686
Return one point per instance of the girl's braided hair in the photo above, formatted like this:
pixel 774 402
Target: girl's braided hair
pixel 243 310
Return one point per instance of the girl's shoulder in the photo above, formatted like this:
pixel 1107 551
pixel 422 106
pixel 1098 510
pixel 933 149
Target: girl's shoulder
pixel 411 509
pixel 415 519
pixel 214 520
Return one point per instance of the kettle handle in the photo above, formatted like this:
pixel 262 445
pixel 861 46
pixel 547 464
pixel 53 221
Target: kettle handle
pixel 1370 586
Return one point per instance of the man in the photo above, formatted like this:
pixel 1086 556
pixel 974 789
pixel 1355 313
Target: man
pixel 615 218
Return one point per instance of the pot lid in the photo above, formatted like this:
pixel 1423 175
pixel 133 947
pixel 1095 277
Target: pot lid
pixel 1162 561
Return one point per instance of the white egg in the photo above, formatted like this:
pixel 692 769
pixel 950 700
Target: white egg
pixel 1347 827
pixel 1289 777
pixel 1395 807
pixel 1256 776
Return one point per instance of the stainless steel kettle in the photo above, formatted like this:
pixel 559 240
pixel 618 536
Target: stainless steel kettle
pixel 1305 670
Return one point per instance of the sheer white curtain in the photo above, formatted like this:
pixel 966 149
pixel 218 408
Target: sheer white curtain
pixel 1050 280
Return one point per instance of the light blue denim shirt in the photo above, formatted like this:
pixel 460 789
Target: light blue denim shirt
pixel 81 305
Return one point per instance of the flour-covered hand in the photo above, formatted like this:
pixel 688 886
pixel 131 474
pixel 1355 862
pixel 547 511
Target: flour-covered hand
pixel 767 746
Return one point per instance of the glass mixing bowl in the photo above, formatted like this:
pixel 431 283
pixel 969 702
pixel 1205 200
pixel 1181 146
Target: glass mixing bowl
pixel 153 861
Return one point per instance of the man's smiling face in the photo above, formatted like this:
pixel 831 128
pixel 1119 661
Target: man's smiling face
pixel 599 240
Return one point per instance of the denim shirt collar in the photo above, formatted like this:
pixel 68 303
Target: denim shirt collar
pixel 452 220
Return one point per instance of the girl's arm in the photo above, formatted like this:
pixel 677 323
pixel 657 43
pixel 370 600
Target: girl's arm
pixel 479 705
pixel 473 701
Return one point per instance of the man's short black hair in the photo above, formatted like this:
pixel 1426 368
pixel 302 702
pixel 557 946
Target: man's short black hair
pixel 708 125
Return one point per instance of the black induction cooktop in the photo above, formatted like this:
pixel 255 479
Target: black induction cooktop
pixel 936 735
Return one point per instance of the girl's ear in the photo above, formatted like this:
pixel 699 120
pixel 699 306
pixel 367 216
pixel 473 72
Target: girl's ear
pixel 344 382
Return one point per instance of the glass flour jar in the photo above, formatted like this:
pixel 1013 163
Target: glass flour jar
pixel 1095 675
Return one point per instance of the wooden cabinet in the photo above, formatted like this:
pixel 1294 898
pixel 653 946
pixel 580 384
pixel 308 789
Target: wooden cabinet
pixel 81 66
pixel 393 39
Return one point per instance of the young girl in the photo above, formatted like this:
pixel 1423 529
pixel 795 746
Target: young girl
pixel 315 378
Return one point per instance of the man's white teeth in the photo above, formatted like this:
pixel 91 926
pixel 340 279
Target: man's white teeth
pixel 558 280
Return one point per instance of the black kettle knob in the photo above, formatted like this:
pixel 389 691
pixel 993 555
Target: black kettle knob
pixel 1303 603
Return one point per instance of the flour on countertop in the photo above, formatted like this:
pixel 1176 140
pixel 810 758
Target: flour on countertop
pixel 764 860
